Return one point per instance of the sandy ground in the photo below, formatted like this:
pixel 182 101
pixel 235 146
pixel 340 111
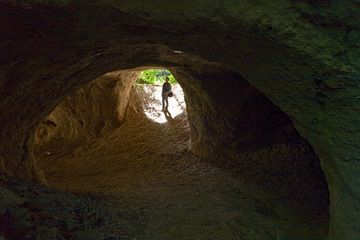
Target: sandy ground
pixel 145 166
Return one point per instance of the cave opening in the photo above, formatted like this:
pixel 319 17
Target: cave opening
pixel 151 81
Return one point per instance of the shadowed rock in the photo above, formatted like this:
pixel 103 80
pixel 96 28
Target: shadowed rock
pixel 302 55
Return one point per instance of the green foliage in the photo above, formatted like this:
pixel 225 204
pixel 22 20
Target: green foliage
pixel 155 76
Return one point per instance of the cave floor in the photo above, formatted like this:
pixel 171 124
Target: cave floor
pixel 145 167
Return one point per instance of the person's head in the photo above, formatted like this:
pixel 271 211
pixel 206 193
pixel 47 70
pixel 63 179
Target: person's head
pixel 166 79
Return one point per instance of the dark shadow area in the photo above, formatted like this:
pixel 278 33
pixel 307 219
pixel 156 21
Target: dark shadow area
pixel 236 127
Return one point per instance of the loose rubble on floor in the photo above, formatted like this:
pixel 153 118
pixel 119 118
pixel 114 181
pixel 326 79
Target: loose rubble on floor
pixel 29 211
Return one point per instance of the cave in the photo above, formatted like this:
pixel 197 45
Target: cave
pixel 265 148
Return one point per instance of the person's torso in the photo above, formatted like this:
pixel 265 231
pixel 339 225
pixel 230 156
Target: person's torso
pixel 166 87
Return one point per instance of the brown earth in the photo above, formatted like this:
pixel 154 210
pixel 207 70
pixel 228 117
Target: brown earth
pixel 146 167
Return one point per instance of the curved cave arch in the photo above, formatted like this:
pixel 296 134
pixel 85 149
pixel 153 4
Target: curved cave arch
pixel 304 66
pixel 204 136
pixel 235 131
pixel 232 125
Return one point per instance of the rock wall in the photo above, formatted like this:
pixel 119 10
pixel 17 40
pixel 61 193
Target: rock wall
pixel 237 127
pixel 302 54
pixel 90 112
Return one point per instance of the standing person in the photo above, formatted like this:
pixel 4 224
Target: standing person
pixel 166 89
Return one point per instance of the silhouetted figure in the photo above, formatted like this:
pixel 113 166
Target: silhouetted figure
pixel 166 90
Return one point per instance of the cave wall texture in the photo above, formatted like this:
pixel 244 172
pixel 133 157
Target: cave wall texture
pixel 94 110
pixel 233 126
pixel 303 55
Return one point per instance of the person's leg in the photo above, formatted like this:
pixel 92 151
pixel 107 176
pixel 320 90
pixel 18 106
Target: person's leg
pixel 163 102
pixel 167 103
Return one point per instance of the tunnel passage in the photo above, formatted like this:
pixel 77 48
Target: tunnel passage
pixel 232 125
pixel 99 108
pixel 302 56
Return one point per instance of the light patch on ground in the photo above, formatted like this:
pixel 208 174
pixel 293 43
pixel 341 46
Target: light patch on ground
pixel 153 105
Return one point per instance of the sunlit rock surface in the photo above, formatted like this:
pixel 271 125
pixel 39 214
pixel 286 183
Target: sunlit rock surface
pixel 90 112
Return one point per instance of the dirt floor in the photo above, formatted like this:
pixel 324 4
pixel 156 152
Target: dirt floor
pixel 146 169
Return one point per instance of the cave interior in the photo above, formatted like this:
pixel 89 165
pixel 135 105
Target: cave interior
pixel 259 142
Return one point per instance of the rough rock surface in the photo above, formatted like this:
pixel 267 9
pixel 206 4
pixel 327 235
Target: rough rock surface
pixel 304 55
pixel 251 134
pixel 29 211
pixel 90 112
pixel 146 166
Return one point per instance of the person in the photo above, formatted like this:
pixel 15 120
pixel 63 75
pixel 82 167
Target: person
pixel 166 89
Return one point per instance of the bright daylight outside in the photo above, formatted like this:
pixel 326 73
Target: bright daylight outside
pixel 152 81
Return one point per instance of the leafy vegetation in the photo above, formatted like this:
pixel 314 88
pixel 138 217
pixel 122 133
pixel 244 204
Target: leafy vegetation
pixel 155 76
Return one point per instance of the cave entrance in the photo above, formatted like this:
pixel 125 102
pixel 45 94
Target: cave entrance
pixel 151 81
